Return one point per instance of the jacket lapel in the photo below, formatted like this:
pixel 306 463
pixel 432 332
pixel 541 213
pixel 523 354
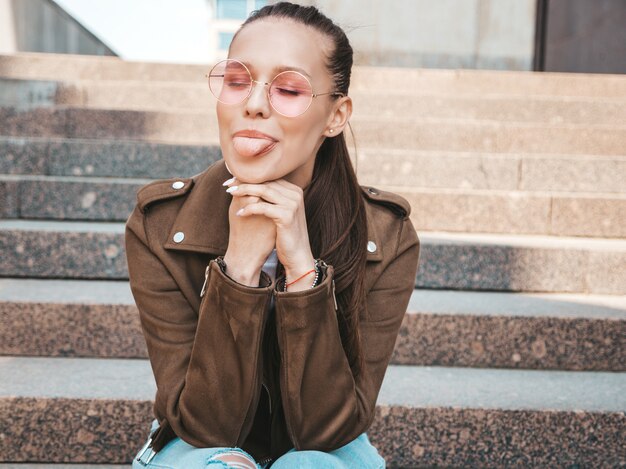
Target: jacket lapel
pixel 203 217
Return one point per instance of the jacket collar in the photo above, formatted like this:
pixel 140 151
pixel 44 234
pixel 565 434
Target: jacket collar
pixel 203 217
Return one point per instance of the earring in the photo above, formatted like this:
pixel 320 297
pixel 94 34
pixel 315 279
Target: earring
pixel 331 131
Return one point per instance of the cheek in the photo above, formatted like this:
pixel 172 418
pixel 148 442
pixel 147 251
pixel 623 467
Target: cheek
pixel 304 136
pixel 222 115
pixel 224 123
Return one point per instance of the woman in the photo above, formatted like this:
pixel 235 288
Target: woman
pixel 271 286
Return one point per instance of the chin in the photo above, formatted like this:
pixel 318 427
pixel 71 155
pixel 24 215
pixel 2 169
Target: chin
pixel 251 173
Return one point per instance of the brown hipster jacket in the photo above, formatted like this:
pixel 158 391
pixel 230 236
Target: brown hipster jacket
pixel 214 388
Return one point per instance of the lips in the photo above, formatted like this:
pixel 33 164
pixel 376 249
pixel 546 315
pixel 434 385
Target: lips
pixel 252 143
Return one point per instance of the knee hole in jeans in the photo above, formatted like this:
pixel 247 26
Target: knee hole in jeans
pixel 232 457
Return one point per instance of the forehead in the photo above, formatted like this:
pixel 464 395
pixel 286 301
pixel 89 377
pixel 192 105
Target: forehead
pixel 270 44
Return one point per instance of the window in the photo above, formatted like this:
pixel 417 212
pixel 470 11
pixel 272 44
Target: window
pixel 224 40
pixel 229 14
pixel 232 9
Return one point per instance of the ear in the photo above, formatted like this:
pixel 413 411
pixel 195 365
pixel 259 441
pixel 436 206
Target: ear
pixel 339 117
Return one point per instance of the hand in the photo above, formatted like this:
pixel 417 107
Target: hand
pixel 251 239
pixel 281 203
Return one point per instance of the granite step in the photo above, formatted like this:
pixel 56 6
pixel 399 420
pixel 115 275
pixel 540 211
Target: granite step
pixel 68 197
pixel 455 210
pixel 134 95
pixel 455 417
pixel 110 157
pixel 516 212
pixel 460 261
pixel 425 133
pixel 64 67
pixel 61 466
pixel 406 168
pixel 90 318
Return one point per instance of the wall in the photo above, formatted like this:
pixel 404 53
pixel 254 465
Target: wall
pixel 495 34
pixel 585 36
pixel 43 26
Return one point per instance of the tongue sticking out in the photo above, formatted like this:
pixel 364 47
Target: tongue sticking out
pixel 247 146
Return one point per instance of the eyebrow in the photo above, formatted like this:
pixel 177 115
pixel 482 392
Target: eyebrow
pixel 282 68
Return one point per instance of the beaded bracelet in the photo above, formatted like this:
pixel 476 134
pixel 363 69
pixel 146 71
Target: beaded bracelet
pixel 317 274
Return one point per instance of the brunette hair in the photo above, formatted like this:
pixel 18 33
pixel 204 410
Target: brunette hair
pixel 334 204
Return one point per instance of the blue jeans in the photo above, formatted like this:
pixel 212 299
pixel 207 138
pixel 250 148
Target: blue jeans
pixel 178 454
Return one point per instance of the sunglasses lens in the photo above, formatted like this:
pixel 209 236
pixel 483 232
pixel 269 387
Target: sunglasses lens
pixel 230 81
pixel 290 93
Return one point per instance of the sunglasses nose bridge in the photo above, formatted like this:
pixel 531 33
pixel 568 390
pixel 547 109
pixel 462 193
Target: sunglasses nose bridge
pixel 257 82
pixel 254 82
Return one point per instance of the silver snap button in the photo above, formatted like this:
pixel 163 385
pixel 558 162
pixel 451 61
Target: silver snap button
pixel 178 185
pixel 371 246
pixel 179 236
pixel 371 190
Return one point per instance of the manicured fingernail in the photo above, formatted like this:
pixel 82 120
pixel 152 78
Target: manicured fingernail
pixel 230 181
pixel 239 212
pixel 232 189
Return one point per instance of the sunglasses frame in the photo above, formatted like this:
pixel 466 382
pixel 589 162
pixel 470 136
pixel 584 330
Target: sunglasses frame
pixel 269 85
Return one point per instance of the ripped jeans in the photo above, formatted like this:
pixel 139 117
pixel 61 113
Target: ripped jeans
pixel 178 454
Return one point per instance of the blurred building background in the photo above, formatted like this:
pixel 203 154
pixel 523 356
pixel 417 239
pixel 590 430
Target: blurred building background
pixel 550 35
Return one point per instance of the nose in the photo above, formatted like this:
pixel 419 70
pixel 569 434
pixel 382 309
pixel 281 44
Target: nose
pixel 258 103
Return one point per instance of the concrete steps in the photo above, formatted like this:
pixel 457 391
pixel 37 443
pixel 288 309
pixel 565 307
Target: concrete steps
pixel 182 97
pixel 61 466
pixel 95 250
pixel 104 157
pixel 436 209
pixel 65 67
pixel 426 133
pixel 82 318
pixel 386 166
pixel 516 329
pixel 77 318
pixel 513 416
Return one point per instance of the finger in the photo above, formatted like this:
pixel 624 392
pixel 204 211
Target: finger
pixel 293 191
pixel 294 188
pixel 278 214
pixel 269 192
pixel 286 184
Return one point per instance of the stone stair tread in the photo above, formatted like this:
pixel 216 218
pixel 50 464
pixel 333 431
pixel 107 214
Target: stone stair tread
pixel 555 173
pixel 66 291
pixel 423 301
pixel 60 466
pixel 76 378
pixel 439 237
pixel 500 192
pixel 75 179
pixel 44 85
pixel 27 139
pixel 209 118
pixel 388 187
pixel 515 304
pixel 459 260
pixel 507 389
pixel 524 241
pixel 76 66
pixel 434 133
pixel 62 226
pixel 409 386
pixel 183 97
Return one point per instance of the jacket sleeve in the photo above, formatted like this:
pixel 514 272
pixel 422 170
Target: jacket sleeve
pixel 206 398
pixel 325 406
